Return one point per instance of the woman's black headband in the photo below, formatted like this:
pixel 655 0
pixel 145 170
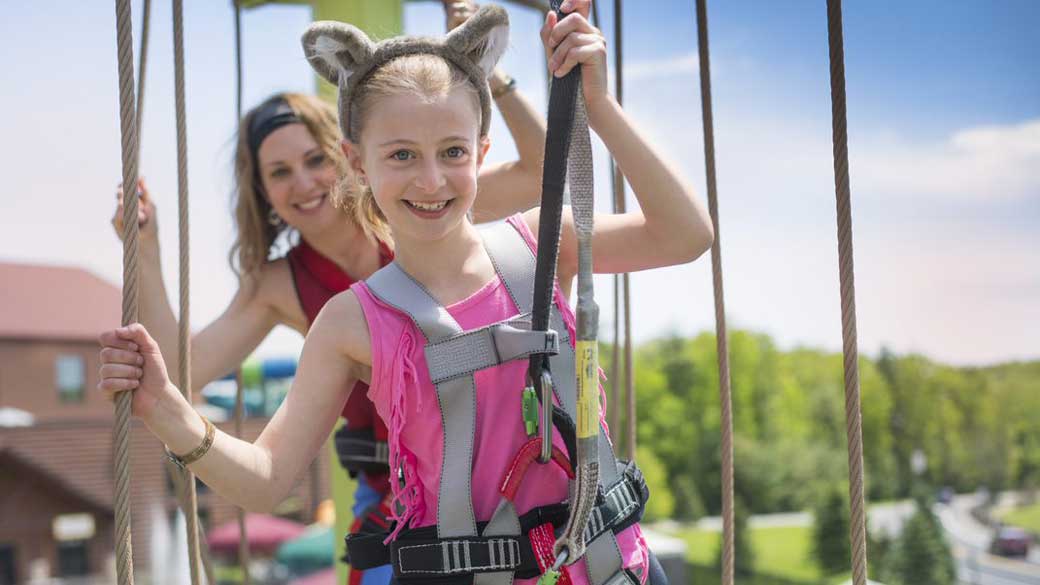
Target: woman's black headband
pixel 269 117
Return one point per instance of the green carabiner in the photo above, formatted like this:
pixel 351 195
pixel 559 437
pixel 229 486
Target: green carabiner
pixel 550 577
pixel 530 411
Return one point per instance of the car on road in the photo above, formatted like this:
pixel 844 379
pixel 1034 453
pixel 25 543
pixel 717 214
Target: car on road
pixel 1011 541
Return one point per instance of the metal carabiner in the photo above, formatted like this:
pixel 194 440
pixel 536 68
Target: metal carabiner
pixel 547 411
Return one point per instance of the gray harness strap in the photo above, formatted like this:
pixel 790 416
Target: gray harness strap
pixel 453 356
pixel 515 263
pixel 456 397
pixel 489 346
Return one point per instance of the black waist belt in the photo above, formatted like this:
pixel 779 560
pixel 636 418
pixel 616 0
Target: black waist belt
pixel 358 450
pixel 417 554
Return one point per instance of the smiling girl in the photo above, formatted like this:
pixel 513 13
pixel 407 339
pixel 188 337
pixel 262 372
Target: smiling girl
pixel 415 118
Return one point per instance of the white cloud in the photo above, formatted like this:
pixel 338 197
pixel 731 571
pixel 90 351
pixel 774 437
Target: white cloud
pixel 686 64
pixel 989 162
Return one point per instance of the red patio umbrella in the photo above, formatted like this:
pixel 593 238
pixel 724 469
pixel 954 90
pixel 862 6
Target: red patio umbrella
pixel 264 534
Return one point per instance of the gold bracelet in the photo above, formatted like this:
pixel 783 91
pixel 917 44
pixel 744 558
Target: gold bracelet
pixel 505 88
pixel 182 461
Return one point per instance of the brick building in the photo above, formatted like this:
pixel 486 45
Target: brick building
pixel 56 474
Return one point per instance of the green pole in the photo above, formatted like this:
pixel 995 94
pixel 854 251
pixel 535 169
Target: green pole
pixel 379 19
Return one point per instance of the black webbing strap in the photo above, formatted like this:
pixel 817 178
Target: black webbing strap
pixel 367 551
pixel 358 450
pixel 420 550
pixel 562 95
pixel 563 91
pixel 468 555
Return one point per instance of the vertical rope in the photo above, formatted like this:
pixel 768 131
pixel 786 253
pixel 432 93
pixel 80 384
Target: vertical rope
pixel 238 61
pixel 121 430
pixel 618 182
pixel 617 185
pixel 243 542
pixel 142 67
pixel 843 196
pixel 184 329
pixel 721 339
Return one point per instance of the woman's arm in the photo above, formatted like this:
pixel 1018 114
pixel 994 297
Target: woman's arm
pixel 224 343
pixel 259 475
pixel 506 188
pixel 671 225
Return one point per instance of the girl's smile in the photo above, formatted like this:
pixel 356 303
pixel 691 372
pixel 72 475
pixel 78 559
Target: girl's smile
pixel 421 155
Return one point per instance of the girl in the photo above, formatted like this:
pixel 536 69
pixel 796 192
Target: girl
pixel 287 161
pixel 415 114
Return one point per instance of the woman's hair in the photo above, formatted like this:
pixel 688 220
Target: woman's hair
pixel 425 76
pixel 255 235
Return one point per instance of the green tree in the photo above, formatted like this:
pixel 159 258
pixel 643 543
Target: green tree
pixel 830 533
pixel 661 504
pixel 920 556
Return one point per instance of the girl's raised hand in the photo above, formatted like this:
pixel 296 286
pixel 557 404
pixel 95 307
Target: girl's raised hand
pixel 131 362
pixel 574 41
pixel 146 222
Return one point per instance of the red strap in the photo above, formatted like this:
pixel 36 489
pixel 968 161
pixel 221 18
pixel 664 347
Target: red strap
pixel 528 454
pixel 542 542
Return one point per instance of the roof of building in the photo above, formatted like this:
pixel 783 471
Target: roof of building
pixel 55 302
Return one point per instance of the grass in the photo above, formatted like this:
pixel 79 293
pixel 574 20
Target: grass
pixel 783 556
pixel 1027 517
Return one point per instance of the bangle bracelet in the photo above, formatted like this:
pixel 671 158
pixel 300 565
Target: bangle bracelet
pixel 506 87
pixel 182 461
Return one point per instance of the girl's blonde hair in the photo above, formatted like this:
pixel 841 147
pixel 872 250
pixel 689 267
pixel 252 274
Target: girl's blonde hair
pixel 255 236
pixel 428 77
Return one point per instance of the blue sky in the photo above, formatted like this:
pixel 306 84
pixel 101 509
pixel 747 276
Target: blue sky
pixel 944 127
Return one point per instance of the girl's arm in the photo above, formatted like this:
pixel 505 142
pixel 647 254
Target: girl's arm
pixel 224 343
pixel 671 225
pixel 256 476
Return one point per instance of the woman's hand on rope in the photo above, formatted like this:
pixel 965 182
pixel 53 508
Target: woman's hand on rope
pixel 574 41
pixel 146 221
pixel 131 361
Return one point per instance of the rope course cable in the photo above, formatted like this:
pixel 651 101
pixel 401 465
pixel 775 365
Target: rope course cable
pixel 850 351
pixel 190 502
pixel 617 184
pixel 128 144
pixel 243 542
pixel 618 205
pixel 142 66
pixel 721 339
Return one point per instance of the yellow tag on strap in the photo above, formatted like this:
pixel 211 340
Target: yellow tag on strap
pixel 587 362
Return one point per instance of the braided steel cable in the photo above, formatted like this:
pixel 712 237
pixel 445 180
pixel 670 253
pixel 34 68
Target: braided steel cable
pixel 243 543
pixel 721 340
pixel 128 144
pixel 617 184
pixel 850 351
pixel 142 66
pixel 190 501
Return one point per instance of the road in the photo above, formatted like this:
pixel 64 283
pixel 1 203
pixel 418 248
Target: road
pixel 968 538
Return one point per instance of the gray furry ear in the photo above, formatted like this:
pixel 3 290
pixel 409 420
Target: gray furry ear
pixel 337 50
pixel 483 38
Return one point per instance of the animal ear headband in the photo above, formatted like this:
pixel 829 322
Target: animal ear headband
pixel 345 56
